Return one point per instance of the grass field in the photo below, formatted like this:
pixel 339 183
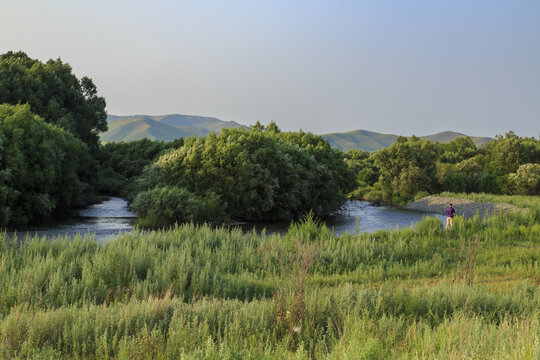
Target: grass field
pixel 200 293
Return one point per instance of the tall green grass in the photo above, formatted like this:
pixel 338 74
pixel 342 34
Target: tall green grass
pixel 198 292
pixel 385 322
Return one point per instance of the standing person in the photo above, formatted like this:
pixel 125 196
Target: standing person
pixel 449 215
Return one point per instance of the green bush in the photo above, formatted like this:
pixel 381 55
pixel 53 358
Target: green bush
pixel 406 167
pixel 258 175
pixel 167 205
pixel 360 193
pixel 420 195
pixel 374 195
pixel 429 225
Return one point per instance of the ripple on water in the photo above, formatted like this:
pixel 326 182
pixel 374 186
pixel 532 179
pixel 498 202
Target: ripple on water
pixel 113 207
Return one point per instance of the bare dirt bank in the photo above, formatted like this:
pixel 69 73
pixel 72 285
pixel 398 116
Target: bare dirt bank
pixel 463 207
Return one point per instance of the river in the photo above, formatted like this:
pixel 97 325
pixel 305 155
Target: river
pixel 104 221
pixel 356 216
pixel 113 216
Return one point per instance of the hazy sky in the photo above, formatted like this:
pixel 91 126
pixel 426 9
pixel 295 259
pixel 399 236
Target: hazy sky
pixel 398 67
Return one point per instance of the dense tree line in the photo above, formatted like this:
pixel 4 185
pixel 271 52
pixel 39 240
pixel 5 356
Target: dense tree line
pixel 42 167
pixel 254 174
pixel 49 138
pixel 506 165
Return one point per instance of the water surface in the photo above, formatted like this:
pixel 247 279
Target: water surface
pixel 356 216
pixel 113 217
pixel 104 220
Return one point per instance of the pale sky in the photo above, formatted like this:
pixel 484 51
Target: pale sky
pixel 399 67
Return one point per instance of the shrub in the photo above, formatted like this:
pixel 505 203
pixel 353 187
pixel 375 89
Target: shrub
pixel 406 167
pixel 374 196
pixel 429 225
pixel 360 192
pixel 167 205
pixel 420 195
pixel 410 181
pixel 257 174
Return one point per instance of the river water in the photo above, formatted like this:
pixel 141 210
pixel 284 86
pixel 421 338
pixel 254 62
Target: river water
pixel 113 217
pixel 356 216
pixel 104 220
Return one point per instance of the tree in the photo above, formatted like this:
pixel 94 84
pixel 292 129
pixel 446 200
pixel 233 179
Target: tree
pixel 361 163
pixel 42 167
pixel 457 150
pixel 410 181
pixel 404 162
pixel 504 155
pixel 55 94
pixel 526 180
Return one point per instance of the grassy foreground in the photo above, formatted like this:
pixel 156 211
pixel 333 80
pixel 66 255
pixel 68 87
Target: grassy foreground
pixel 201 293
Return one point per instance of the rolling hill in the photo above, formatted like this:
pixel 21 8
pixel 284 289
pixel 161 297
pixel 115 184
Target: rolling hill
pixel 371 141
pixel 162 127
pixel 447 136
pixel 360 139
pixel 174 126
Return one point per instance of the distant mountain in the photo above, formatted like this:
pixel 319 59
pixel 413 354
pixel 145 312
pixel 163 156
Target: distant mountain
pixel 371 141
pixel 174 126
pixel 162 127
pixel 447 136
pixel 360 139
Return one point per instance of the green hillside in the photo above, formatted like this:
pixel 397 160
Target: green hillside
pixel 138 128
pixel 447 136
pixel 360 139
pixel 174 126
pixel 161 127
pixel 372 141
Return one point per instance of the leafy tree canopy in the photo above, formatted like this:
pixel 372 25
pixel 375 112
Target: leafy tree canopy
pixel 257 174
pixel 41 167
pixel 507 164
pixel 55 94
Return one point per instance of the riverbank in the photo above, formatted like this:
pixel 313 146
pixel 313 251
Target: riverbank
pixel 464 207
